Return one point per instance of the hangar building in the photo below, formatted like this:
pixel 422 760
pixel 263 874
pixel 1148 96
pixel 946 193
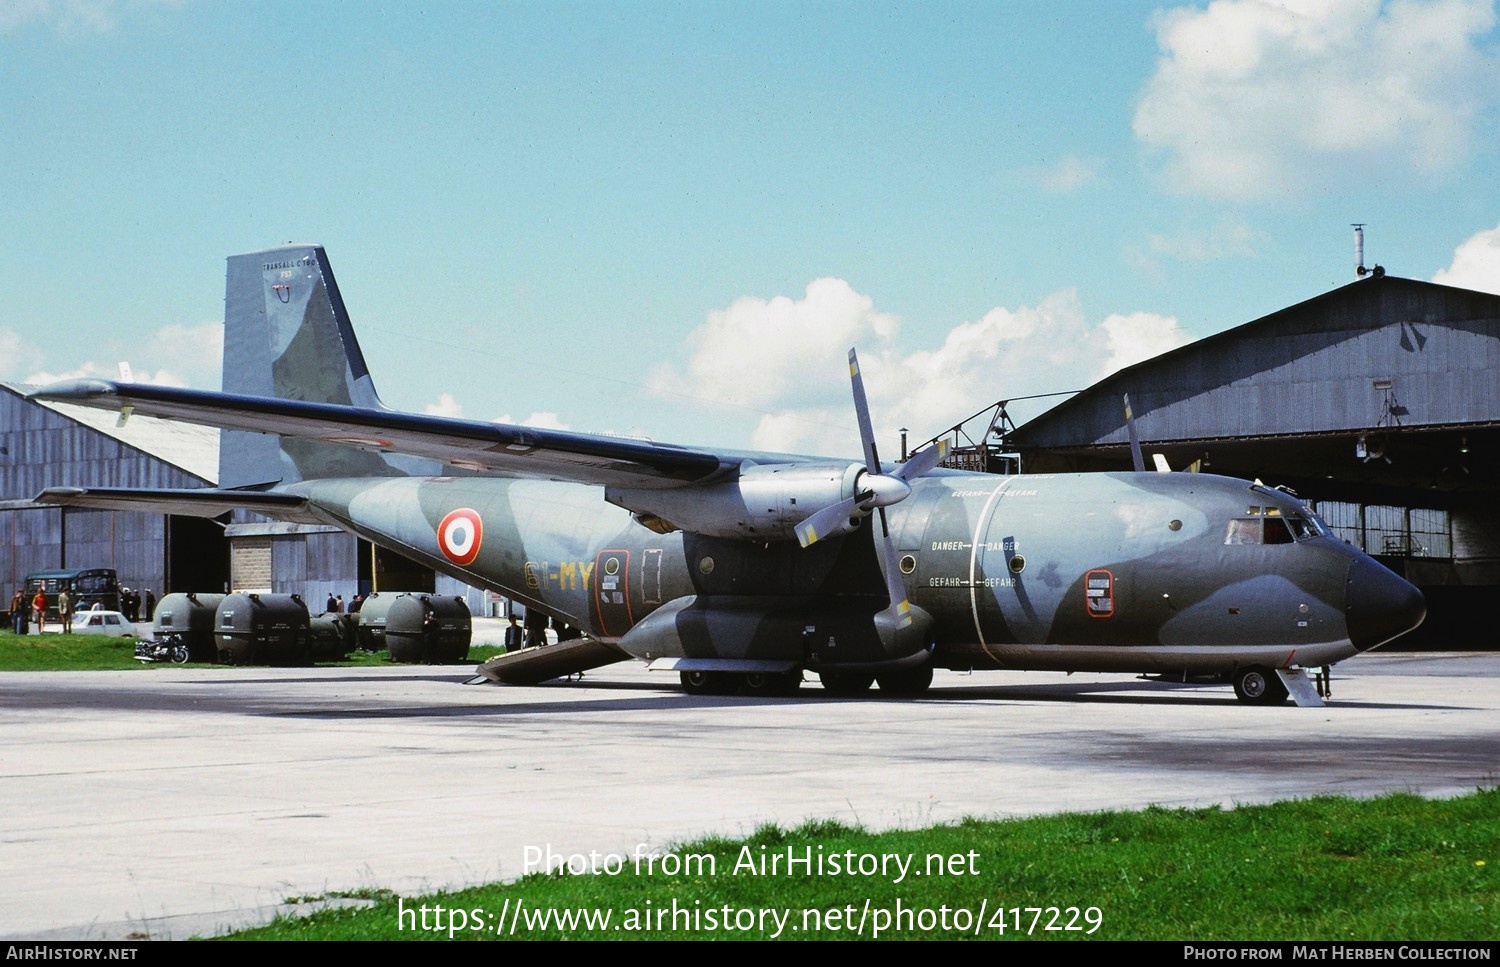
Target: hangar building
pixel 1377 402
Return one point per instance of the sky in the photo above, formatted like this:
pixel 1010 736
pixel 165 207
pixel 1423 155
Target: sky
pixel 672 220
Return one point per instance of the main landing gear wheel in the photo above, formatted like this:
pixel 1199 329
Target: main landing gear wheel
pixel 771 683
pixel 708 683
pixel 907 681
pixel 845 683
pixel 1259 686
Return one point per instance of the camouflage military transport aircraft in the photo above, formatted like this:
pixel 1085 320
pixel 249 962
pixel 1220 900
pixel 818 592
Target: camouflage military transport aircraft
pixel 742 571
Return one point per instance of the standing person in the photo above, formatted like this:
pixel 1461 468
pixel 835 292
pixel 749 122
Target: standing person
pixel 150 604
pixel 65 609
pixel 338 605
pixel 39 605
pixel 536 628
pixel 430 639
pixel 330 605
pixel 18 611
pixel 514 638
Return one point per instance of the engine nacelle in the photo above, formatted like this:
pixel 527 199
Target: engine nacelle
pixel 765 502
pixel 808 632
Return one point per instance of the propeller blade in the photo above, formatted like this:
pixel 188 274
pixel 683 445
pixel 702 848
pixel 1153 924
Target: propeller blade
pixel 922 461
pixel 894 586
pixel 873 491
pixel 862 414
pixel 831 520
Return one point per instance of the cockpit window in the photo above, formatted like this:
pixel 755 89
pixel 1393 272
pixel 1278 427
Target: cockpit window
pixel 1243 532
pixel 1268 526
pixel 1305 525
pixel 1258 530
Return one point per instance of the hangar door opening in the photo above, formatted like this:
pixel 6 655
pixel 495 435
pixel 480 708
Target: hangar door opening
pixel 197 555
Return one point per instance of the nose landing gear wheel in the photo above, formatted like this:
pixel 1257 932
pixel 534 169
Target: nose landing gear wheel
pixel 1259 686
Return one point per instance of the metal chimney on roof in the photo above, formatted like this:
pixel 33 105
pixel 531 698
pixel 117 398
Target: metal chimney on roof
pixel 1359 254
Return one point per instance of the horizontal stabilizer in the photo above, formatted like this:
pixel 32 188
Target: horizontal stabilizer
pixel 186 503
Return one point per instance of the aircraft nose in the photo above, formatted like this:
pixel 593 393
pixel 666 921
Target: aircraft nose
pixel 1380 604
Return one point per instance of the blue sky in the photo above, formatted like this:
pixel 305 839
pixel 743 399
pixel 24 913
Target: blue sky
pixel 673 219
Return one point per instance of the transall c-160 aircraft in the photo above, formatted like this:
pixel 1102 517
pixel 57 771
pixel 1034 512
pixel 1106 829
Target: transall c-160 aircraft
pixel 745 570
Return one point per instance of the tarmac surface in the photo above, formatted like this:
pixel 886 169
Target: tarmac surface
pixel 177 801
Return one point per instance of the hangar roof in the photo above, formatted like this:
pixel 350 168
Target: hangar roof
pixel 194 449
pixel 1403 369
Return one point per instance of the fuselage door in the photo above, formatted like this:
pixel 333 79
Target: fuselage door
pixel 612 612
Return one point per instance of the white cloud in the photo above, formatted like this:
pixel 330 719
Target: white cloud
pixel 1253 98
pixel 195 352
pixel 446 405
pixel 72 16
pixel 188 356
pixel 89 368
pixel 17 355
pixel 805 397
pixel 1136 337
pixel 541 419
pixel 1476 263
pixel 785 342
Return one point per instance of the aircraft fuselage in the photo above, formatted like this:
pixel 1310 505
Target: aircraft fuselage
pixel 1136 572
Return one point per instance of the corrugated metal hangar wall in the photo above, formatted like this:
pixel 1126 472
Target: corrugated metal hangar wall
pixel 43 446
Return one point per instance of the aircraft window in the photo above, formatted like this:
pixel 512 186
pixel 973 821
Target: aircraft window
pixel 1243 532
pixel 1302 527
pixel 1273 529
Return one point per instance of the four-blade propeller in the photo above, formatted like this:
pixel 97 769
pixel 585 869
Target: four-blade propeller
pixel 873 491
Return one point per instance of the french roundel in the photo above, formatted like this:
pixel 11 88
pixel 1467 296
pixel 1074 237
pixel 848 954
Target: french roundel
pixel 459 535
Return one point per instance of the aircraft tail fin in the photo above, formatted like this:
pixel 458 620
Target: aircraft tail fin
pixel 287 334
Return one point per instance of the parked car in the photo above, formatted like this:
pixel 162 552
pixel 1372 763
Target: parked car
pixel 111 623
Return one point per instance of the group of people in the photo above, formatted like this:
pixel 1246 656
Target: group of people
pixel 24 611
pixel 335 604
pixel 533 634
pixel 131 604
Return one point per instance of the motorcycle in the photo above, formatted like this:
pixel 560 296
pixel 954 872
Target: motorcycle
pixel 171 648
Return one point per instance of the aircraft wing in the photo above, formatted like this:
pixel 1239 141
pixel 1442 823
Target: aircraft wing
pixel 466 444
pixel 188 503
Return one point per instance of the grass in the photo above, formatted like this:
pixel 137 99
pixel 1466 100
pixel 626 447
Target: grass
pixel 58 652
pixel 1395 868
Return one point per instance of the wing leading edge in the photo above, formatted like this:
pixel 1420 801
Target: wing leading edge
pixel 463 444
